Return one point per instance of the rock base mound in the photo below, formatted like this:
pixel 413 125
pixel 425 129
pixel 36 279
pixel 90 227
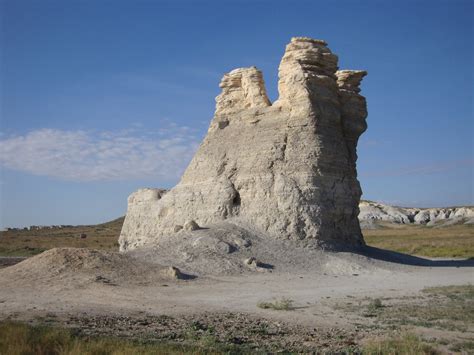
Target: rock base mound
pixel 78 266
pixel 226 248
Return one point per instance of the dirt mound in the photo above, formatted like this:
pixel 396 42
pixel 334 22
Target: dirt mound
pixel 231 249
pixel 77 266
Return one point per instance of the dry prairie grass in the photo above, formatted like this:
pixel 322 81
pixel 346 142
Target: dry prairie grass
pixel 18 338
pixel 282 304
pixel 448 242
pixel 31 242
pixel 445 242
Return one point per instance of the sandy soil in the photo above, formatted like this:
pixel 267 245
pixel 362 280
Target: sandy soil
pixel 80 287
pixel 310 292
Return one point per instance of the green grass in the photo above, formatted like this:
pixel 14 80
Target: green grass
pixel 17 338
pixel 282 304
pixel 22 339
pixel 406 344
pixel 446 308
pixel 374 307
pixel 463 292
pixel 466 346
pixel 446 242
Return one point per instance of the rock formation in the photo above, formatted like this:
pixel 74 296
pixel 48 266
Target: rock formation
pixel 285 170
pixel 372 213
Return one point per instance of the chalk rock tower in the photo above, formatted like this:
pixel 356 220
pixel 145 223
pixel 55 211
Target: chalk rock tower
pixel 285 170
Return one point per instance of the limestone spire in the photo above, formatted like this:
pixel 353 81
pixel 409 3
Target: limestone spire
pixel 350 79
pixel 306 63
pixel 242 88
pixel 282 171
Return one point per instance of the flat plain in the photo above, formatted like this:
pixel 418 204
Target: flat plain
pixel 388 307
pixel 454 241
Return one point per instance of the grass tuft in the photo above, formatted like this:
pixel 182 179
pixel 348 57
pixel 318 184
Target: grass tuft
pixel 374 306
pixel 282 304
pixel 407 344
pixel 18 338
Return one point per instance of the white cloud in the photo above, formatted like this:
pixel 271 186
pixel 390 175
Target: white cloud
pixel 96 156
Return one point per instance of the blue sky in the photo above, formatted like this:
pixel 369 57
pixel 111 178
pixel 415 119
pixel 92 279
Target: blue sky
pixel 99 98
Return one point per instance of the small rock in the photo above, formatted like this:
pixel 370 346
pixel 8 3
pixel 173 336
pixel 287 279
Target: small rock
pixel 188 257
pixel 223 247
pixel 191 226
pixel 251 261
pixel 177 228
pixel 100 278
pixel 172 272
pixel 241 242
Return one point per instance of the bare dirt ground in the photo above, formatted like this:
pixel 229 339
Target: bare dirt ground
pixel 103 292
pixel 337 301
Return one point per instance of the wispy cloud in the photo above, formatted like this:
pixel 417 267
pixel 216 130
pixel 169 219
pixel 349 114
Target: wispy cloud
pixel 95 156
pixel 422 169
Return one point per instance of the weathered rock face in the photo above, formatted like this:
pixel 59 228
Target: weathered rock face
pixel 283 170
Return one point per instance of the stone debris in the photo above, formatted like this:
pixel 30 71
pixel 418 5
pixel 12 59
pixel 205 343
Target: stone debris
pixel 226 328
pixel 191 226
pixel 254 264
pixel 250 261
pixel 241 242
pixel 172 273
pixel 283 171
pixel 177 228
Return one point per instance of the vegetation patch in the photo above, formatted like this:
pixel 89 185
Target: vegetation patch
pixel 32 242
pixel 282 304
pixel 18 338
pixel 215 334
pixel 406 344
pixel 463 293
pixel 456 241
pixel 374 307
pixel 447 308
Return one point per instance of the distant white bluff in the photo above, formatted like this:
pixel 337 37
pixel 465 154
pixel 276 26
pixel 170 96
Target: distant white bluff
pixel 371 213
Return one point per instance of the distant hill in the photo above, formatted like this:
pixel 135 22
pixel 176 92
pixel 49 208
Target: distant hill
pixel 437 232
pixel 374 213
pixel 371 214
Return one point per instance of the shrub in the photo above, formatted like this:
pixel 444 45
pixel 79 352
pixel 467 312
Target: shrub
pixel 283 304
